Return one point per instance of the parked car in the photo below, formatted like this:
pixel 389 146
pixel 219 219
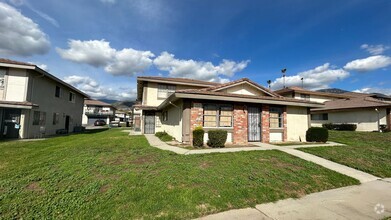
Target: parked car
pixel 99 123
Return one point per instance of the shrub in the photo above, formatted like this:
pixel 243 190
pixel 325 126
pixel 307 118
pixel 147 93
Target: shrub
pixel 340 127
pixel 198 137
pixel 316 134
pixel 162 135
pixel 217 138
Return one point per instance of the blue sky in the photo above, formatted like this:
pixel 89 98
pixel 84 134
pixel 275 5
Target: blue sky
pixel 101 46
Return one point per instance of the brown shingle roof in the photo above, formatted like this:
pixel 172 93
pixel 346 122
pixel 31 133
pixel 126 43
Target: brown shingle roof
pixel 182 80
pixel 278 98
pixel 214 88
pixel 3 60
pixel 352 103
pixel 305 91
pixel 96 103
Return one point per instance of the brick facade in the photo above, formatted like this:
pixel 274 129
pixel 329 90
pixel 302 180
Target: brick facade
pixel 240 122
pixel 240 132
pixel 265 124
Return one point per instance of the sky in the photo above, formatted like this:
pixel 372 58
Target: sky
pixel 101 46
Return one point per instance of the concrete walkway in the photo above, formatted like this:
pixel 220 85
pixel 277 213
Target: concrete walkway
pixel 371 200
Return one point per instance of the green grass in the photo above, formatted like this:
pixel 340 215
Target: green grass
pixel 298 143
pixel 366 151
pixel 110 174
pixel 163 136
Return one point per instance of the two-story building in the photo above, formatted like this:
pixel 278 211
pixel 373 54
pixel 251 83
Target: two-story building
pixel 246 110
pixel 97 110
pixel 34 103
pixel 369 112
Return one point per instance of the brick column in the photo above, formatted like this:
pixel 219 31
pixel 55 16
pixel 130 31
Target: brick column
pixel 284 124
pixel 196 117
pixel 240 124
pixel 265 124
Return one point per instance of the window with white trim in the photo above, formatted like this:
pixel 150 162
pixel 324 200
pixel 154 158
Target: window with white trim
pixel 165 90
pixel 218 115
pixel 276 117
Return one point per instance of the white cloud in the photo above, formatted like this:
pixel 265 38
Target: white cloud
pixel 96 91
pixel 41 65
pixel 20 36
pixel 318 78
pixel 375 49
pixel 369 63
pixel 198 69
pixel 386 91
pixel 99 53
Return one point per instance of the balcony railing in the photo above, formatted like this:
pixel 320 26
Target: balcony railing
pixel 99 113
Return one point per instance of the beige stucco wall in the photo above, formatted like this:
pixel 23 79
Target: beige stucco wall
pixel 150 93
pixel 315 98
pixel 16 85
pixel 42 92
pixel 243 89
pixel 297 123
pixel 365 119
pixel 173 126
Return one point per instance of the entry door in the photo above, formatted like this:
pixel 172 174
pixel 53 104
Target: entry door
pixel 67 119
pixel 11 123
pixel 254 124
pixel 149 123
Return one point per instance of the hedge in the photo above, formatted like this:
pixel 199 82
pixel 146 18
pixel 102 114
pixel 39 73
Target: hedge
pixel 217 138
pixel 198 137
pixel 162 135
pixel 317 134
pixel 340 127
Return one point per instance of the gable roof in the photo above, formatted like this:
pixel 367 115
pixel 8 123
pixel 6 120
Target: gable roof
pixel 29 66
pixel 96 103
pixel 239 82
pixel 309 92
pixel 352 103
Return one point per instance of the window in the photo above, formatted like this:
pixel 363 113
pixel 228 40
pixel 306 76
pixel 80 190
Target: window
pixel 305 96
pixel 56 117
pixel 165 115
pixel 276 117
pixel 36 118
pixel 320 117
pixel 58 92
pixel 39 118
pixel 2 76
pixel 71 97
pixel 165 90
pixel 217 115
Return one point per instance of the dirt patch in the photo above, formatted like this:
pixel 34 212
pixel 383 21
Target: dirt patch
pixel 204 165
pixel 281 164
pixel 104 188
pixel 143 160
pixel 35 187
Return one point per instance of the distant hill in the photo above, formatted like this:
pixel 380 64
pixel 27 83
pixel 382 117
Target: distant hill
pixel 123 105
pixel 110 101
pixel 332 90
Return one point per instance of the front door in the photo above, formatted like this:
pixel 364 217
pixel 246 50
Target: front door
pixel 149 123
pixel 67 119
pixel 11 123
pixel 254 124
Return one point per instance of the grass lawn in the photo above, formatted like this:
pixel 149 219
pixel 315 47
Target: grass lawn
pixel 298 143
pixel 366 151
pixel 109 174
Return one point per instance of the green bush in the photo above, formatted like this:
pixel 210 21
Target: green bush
pixel 340 127
pixel 316 134
pixel 162 135
pixel 217 138
pixel 198 137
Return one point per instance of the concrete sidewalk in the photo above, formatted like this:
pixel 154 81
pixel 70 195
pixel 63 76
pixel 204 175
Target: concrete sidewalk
pixel 371 200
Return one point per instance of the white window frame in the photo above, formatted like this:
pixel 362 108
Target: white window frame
pixel 218 115
pixel 280 117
